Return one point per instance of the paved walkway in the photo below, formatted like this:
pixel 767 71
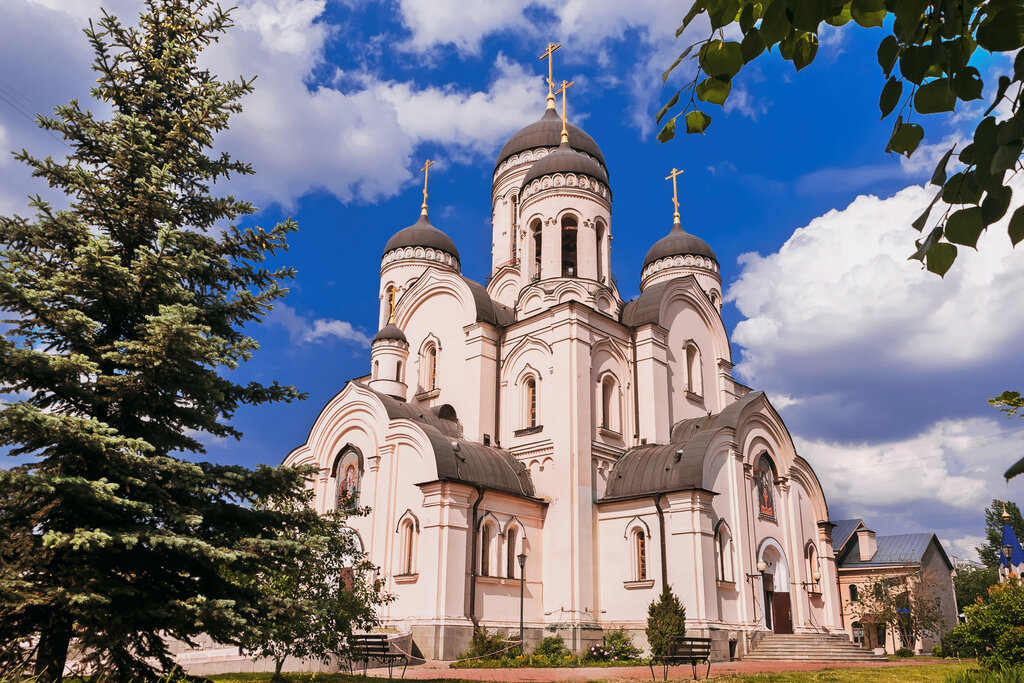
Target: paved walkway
pixel 440 670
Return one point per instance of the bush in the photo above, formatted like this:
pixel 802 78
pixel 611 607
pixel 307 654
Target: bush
pixel 904 652
pixel 484 644
pixel 552 648
pixel 954 644
pixel 666 619
pixel 622 644
pixel 994 631
pixel 936 650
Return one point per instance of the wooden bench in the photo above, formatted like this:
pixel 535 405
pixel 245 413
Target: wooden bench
pixel 690 651
pixel 366 646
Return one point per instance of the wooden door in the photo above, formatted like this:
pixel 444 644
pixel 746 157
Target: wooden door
pixel 782 613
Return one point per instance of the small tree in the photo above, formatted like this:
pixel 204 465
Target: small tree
pixel 907 604
pixel 319 595
pixel 989 551
pixel 994 631
pixel 666 619
pixel 972 583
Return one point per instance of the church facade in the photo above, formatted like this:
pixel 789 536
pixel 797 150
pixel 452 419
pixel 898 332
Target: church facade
pixel 543 419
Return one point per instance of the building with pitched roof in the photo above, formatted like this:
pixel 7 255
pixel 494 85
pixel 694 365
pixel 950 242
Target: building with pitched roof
pixel 541 417
pixel 903 561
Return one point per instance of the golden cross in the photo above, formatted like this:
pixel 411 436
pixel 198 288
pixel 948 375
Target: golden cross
pixel 548 55
pixel 675 192
pixel 561 91
pixel 426 174
pixel 392 291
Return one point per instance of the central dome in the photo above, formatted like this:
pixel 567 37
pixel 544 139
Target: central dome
pixel 566 160
pixel 547 132
pixel 422 234
pixel 678 242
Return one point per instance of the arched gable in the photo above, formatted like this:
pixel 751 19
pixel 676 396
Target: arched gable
pixel 354 416
pixel 431 285
pixel 528 346
pixel 688 291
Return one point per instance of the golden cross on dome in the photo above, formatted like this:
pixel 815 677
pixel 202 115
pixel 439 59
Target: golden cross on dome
pixel 561 91
pixel 675 192
pixel 392 292
pixel 548 55
pixel 426 174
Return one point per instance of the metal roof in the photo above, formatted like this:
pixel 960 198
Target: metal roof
pixel 678 242
pixel 566 160
pixel 843 531
pixel 390 331
pixel 422 234
pixel 547 132
pixel 675 466
pixel 487 309
pixel 892 550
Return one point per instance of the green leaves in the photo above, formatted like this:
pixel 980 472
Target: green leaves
pixel 1016 227
pixel 934 97
pixel 697 121
pixel 967 84
pixel 805 48
pixel 721 59
pixel 905 138
pixel 1004 30
pixel 965 226
pixel 868 13
pixel 890 97
pixel 887 52
pixel 939 258
pixel 714 90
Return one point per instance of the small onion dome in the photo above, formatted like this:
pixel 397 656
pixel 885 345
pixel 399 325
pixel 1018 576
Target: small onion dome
pixel 678 242
pixel 422 234
pixel 390 332
pixel 547 132
pixel 566 160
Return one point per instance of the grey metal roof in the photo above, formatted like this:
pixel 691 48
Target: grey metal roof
pixel 677 465
pixel 566 160
pixel 390 331
pixel 645 308
pixel 843 531
pixel 487 309
pixel 472 463
pixel 547 132
pixel 892 550
pixel 678 242
pixel 422 234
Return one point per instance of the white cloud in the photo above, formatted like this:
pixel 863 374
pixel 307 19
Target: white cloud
pixel 302 330
pixel 963 548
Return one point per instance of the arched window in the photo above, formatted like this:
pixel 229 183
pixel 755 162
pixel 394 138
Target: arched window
pixel 723 552
pixel 530 396
pixel 407 547
pixel 428 361
pixel 538 248
pixel 398 372
pixel 610 403
pixel 854 595
pixel 514 223
pixel 812 569
pixel 376 369
pixel 485 550
pixel 639 555
pixel 510 549
pixel 600 251
pixel 693 370
pixel 569 233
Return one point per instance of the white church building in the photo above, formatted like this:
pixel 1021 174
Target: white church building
pixel 541 415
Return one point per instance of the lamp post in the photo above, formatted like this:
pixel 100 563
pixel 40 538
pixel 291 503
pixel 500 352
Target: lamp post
pixel 1007 551
pixel 522 598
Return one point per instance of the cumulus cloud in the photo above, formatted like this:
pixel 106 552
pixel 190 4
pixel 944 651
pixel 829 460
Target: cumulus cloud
pixel 305 330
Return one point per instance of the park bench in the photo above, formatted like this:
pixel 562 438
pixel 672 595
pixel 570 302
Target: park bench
pixel 684 651
pixel 366 646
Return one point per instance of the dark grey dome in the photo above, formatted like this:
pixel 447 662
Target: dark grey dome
pixel 422 234
pixel 566 160
pixel 390 332
pixel 678 242
pixel 547 132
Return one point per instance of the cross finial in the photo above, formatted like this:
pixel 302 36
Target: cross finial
pixel 1005 515
pixel 561 91
pixel 675 193
pixel 426 174
pixel 551 72
pixel 392 292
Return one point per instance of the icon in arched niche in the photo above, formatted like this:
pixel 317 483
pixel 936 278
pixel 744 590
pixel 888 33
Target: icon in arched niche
pixel 765 486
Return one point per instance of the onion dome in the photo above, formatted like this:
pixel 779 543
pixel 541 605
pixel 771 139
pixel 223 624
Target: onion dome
pixel 390 332
pixel 547 132
pixel 422 234
pixel 678 242
pixel 566 160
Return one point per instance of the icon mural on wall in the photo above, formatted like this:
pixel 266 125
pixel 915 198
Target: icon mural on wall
pixel 765 492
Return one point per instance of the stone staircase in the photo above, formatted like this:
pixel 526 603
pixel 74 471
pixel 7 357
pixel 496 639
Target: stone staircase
pixel 809 647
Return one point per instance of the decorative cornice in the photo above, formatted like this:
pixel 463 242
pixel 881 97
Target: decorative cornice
pixel 679 261
pixel 576 181
pixel 420 254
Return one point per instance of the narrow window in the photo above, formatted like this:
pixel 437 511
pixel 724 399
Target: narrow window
pixel 430 374
pixel 600 250
pixel 854 597
pixel 485 551
pixel 538 248
pixel 376 368
pixel 514 227
pixel 531 402
pixel 398 372
pixel 609 412
pixel 693 370
pixel 569 234
pixel 723 552
pixel 640 550
pixel 407 565
pixel 510 569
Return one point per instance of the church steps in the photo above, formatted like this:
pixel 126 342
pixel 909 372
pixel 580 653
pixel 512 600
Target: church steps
pixel 817 647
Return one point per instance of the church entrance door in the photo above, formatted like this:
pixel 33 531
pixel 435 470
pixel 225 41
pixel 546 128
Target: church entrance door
pixel 782 613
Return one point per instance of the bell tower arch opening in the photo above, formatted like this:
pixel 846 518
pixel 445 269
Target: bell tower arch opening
pixel 570 232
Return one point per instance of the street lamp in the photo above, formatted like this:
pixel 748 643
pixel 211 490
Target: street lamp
pixel 522 597
pixel 1007 551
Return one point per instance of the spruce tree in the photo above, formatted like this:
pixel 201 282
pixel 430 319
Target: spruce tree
pixel 666 619
pixel 123 317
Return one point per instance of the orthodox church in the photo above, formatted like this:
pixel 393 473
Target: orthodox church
pixel 541 428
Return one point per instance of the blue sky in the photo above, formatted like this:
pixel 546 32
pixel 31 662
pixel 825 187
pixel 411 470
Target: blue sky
pixel 881 371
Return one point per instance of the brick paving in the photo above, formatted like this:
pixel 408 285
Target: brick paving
pixel 440 670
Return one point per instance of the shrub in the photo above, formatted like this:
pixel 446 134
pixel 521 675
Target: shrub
pixel 484 644
pixel 666 619
pixel 936 650
pixel 904 652
pixel 622 644
pixel 994 631
pixel 954 644
pixel 552 648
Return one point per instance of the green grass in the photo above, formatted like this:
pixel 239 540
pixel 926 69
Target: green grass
pixel 925 673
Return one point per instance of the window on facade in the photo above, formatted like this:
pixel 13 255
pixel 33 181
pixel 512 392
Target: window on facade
pixel 609 403
pixel 510 547
pixel 854 597
pixel 812 569
pixel 398 372
pixel 765 486
pixel 485 550
pixel 693 370
pixel 569 233
pixel 639 555
pixel 858 632
pixel 346 474
pixel 514 226
pixel 531 402
pixel 723 552
pixel 407 547
pixel 600 245
pixel 376 369
pixel 538 248
pixel 429 360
